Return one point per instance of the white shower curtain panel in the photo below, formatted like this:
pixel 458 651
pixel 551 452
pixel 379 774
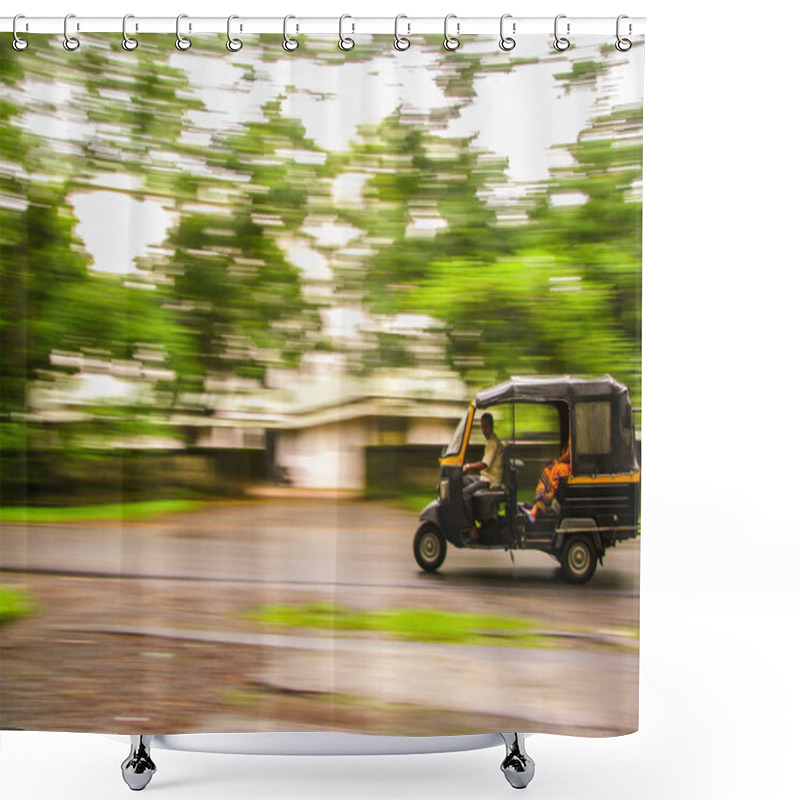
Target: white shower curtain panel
pixel 320 385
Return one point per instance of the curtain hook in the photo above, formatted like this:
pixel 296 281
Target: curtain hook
pixel 19 43
pixel 560 43
pixel 345 42
pixel 506 42
pixel 289 44
pixel 623 45
pixel 401 43
pixel 128 43
pixel 234 45
pixel 181 42
pixel 70 42
pixel 451 42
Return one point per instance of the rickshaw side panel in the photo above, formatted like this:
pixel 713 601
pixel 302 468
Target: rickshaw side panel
pixel 451 508
pixel 609 503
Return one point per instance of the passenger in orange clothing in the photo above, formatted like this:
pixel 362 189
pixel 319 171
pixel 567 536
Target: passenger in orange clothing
pixel 548 484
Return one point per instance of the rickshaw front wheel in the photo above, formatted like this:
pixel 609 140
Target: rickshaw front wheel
pixel 578 559
pixel 430 547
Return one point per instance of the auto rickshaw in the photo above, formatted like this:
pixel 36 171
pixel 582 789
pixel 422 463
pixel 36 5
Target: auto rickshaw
pixel 595 506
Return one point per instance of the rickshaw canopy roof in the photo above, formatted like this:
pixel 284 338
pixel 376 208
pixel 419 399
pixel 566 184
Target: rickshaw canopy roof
pixel 599 409
pixel 551 388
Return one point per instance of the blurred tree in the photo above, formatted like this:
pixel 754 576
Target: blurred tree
pixel 561 293
pixel 568 298
pixel 235 299
pixel 558 293
pixel 226 300
pixel 426 198
pixel 49 298
pixel 108 112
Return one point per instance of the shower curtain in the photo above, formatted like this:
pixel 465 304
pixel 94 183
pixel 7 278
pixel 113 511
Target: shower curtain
pixel 248 295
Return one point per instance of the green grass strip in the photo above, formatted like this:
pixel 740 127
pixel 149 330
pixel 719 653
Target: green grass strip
pixel 416 501
pixel 14 603
pixel 414 624
pixel 412 500
pixel 112 511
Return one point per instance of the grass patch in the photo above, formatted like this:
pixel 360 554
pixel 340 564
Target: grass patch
pixel 110 511
pixel 412 500
pixel 413 624
pixel 14 603
pixel 246 698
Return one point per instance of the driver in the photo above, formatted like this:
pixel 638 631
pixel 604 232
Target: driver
pixel 490 467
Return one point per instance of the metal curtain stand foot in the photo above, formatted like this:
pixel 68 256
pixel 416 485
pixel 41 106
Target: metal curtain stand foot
pixel 518 766
pixel 138 768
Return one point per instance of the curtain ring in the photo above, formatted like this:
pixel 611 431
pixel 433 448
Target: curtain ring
pixel 450 42
pixel 289 44
pixel 234 45
pixel 560 43
pixel 401 43
pixel 70 42
pixel 19 43
pixel 506 42
pixel 345 42
pixel 181 42
pixel 128 43
pixel 623 45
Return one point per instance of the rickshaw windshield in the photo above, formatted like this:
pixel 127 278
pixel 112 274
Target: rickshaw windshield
pixel 453 447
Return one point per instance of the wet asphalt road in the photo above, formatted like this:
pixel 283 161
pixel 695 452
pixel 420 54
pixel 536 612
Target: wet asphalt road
pixel 293 542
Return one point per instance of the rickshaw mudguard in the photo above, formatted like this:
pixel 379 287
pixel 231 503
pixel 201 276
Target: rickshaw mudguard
pixel 430 513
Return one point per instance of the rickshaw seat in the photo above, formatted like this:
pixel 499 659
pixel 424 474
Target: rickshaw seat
pixel 497 494
pixel 487 501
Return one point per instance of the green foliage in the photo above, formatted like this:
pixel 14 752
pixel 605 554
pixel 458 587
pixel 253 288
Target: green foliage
pixel 416 177
pixel 49 299
pixel 133 101
pixel 225 302
pixel 423 202
pixel 235 298
pixel 583 73
pixel 560 294
pixel 39 260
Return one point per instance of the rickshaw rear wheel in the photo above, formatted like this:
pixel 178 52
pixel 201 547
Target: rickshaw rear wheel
pixel 430 547
pixel 578 559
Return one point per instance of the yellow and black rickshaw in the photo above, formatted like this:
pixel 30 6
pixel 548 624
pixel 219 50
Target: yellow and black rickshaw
pixel 595 505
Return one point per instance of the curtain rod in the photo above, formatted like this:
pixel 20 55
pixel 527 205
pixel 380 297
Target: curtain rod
pixel 408 26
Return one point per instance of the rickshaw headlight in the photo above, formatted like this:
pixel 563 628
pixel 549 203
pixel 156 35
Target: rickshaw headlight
pixel 444 489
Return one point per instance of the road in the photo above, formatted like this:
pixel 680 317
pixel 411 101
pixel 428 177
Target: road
pixel 113 594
